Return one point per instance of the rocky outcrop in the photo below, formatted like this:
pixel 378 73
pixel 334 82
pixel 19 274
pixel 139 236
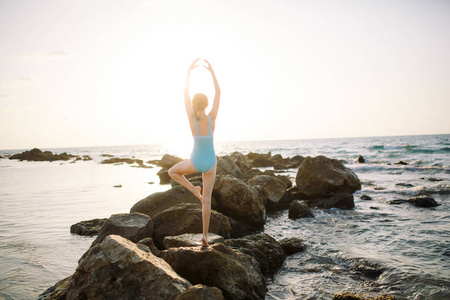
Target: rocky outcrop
pixel 227 166
pixel 88 228
pixel 292 245
pixel 190 240
pixel 322 177
pixel 119 269
pixel 236 274
pixel 56 292
pixel 360 160
pixel 265 249
pixel 120 160
pixel 236 199
pixel 351 296
pixel 418 201
pixel 274 189
pixel 164 177
pixel 158 202
pixel 299 209
pixel 342 201
pixel 241 161
pixel 187 218
pixel 167 161
pixel 365 197
pixel 201 292
pixel 37 155
pixel 133 226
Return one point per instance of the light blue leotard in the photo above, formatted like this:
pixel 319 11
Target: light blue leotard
pixel 203 156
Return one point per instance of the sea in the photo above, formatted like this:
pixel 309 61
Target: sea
pixel 39 201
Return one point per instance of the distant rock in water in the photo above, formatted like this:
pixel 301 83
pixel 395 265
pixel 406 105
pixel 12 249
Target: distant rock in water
pixel 419 201
pixel 299 209
pixel 365 197
pixel 292 245
pixel 360 160
pixel 37 155
pixel 401 163
pixel 349 296
pixel 88 228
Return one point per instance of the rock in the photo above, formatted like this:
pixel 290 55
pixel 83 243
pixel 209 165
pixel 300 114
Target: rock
pixel 86 158
pixel 227 166
pixel 2 156
pixel 299 209
pixel 280 166
pixel 236 199
pixel 37 155
pixel 88 228
pixel 168 161
pixel 236 274
pixel 292 245
pixel 119 269
pixel 360 160
pixel 432 179
pixel 261 162
pixel 401 163
pixel 342 201
pixel 321 177
pixel 291 195
pixel 187 218
pixel 133 226
pixel 265 249
pixel 275 189
pixel 107 155
pixel 164 177
pixel 365 197
pixel 423 201
pixel 349 296
pixel 404 184
pixel 367 269
pixel 118 186
pixel 374 207
pixel 201 292
pixel 252 156
pixel 158 202
pixel 241 161
pixel 119 160
pixel 56 292
pixel 241 229
pixel 190 240
pixel 286 180
pixel 397 201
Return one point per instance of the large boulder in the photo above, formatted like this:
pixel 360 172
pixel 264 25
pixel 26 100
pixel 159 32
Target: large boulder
pixel 299 209
pixel 236 274
pixel 342 201
pixel 187 218
pixel 265 249
pixel 158 202
pixel 168 161
pixel 227 166
pixel 201 292
pixel 241 161
pixel 238 200
pixel 190 240
pixel 88 228
pixel 56 292
pixel 322 177
pixel 274 186
pixel 133 226
pixel 119 269
pixel 292 245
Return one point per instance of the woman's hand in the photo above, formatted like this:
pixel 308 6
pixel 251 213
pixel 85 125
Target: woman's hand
pixel 208 66
pixel 193 65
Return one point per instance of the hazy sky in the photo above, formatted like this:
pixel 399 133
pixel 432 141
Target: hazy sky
pixel 92 73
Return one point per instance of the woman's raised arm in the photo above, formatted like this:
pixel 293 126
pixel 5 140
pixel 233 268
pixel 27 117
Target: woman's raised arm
pixel 215 108
pixel 187 97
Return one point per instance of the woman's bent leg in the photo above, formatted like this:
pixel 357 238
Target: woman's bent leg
pixel 177 173
pixel 208 185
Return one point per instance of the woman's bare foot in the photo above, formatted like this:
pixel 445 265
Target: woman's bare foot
pixel 204 242
pixel 197 192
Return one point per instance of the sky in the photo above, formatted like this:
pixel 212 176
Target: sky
pixel 107 72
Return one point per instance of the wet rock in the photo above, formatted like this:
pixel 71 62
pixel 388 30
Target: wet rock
pixel 404 184
pixel 396 201
pixel 118 269
pixel 241 161
pixel 374 207
pixel 56 292
pixel 299 209
pixel 190 240
pixel 187 218
pixel 164 177
pixel 342 201
pixel 241 229
pixel 275 189
pixel 365 197
pixel 158 202
pixel 350 296
pixel 364 268
pixel 321 177
pixel 37 155
pixel 292 245
pixel 236 274
pixel 265 249
pixel 227 166
pixel 133 226
pixel 423 201
pixel 293 194
pixel 401 163
pixel 168 161
pixel 88 228
pixel 238 200
pixel 201 292
pixel 360 160
pixel 432 179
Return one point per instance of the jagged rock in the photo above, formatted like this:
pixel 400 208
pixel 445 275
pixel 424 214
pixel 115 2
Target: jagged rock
pixel 158 202
pixel 292 194
pixel 187 218
pixel 342 201
pixel 401 163
pixel 299 209
pixel 148 241
pixel 240 160
pixel 275 189
pixel 236 199
pixel 168 161
pixel 37 155
pixel 265 249
pixel 227 166
pixel 292 245
pixel 190 240
pixel 56 292
pixel 349 296
pixel 360 160
pixel 201 292
pixel 365 197
pixel 133 226
pixel 423 201
pixel 236 274
pixel 261 163
pixel 88 228
pixel 119 269
pixel 321 177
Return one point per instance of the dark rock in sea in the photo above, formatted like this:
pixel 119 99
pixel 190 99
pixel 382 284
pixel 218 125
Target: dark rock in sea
pixel 201 292
pixel 56 292
pixel 37 155
pixel 118 186
pixel 164 177
pixel 432 179
pixel 342 201
pixel 236 199
pixel 293 194
pixel 396 201
pixel 133 226
pixel 321 177
pixel 275 189
pixel 423 201
pixel 374 207
pixel 86 158
pixel 351 296
pixel 187 218
pixel 167 161
pixel 404 184
pixel 107 155
pixel 190 240
pixel 364 268
pixel 236 274
pixel 401 163
pixel 88 228
pixel 299 209
pixel 158 202
pixel 119 160
pixel 292 245
pixel 280 166
pixel 227 166
pixel 241 229
pixel 365 197
pixel 265 249
pixel 119 269
pixel 360 160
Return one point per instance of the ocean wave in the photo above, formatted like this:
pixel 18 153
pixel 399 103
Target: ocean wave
pixel 409 148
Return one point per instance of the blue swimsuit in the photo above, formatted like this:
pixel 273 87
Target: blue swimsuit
pixel 203 156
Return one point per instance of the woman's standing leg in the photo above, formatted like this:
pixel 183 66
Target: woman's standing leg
pixel 208 185
pixel 177 173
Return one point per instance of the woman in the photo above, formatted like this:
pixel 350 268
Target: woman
pixel 203 158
